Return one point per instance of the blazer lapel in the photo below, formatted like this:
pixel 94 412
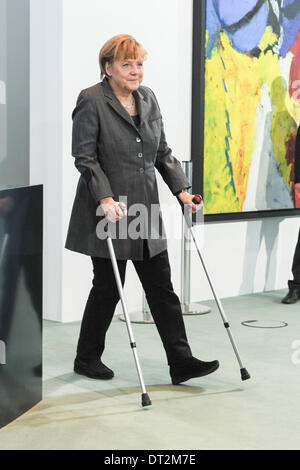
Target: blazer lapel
pixel 142 106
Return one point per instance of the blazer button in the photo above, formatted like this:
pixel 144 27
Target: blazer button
pixel 138 140
pixel 141 170
pixel 140 155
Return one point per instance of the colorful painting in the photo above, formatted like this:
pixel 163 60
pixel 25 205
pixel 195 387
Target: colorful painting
pixel 251 108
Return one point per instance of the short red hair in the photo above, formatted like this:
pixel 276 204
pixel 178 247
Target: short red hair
pixel 119 46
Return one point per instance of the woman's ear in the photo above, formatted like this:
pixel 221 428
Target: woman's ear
pixel 108 69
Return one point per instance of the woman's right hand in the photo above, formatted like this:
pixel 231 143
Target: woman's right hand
pixel 112 209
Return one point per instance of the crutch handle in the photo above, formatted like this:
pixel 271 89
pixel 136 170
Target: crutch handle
pixel 123 207
pixel 197 199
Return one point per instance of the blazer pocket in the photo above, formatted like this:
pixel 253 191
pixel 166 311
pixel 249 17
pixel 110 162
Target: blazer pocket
pixel 155 129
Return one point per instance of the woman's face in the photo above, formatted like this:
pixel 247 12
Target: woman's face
pixel 126 74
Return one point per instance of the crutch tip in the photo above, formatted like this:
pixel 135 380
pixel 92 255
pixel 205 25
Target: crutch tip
pixel 146 400
pixel 245 374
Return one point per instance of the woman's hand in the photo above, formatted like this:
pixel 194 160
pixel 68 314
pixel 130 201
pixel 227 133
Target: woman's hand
pixel 112 209
pixel 187 198
pixel 297 187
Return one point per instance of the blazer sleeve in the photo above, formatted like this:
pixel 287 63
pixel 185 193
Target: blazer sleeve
pixel 168 166
pixel 85 134
pixel 297 157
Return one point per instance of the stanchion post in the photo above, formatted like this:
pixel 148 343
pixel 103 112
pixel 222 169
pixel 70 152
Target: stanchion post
pixel 187 307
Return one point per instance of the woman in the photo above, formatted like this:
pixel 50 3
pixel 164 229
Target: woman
pixel 118 141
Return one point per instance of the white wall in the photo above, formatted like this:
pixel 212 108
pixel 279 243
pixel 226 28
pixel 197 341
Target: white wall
pixel 242 257
pixel 46 130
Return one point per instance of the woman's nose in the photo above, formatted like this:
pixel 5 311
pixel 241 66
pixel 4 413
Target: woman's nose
pixel 134 70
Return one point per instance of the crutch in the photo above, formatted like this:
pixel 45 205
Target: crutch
pixel 197 200
pixel 145 397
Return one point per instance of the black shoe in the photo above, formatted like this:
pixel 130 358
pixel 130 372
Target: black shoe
pixel 191 368
pixel 93 369
pixel 291 297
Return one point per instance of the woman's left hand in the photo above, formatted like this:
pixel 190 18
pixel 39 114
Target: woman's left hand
pixel 187 198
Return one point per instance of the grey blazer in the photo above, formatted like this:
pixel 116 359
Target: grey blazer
pixel 116 158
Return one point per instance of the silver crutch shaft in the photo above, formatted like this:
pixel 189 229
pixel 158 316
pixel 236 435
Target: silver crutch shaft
pixel 244 373
pixel 145 397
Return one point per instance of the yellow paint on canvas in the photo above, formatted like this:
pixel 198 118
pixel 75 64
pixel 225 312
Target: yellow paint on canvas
pixel 229 145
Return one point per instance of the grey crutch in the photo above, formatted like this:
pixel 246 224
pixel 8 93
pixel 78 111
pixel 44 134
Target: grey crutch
pixel 145 397
pixel 197 200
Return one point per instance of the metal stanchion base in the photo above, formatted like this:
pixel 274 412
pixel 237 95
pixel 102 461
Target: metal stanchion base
pixel 187 309
pixel 139 317
pixel 195 309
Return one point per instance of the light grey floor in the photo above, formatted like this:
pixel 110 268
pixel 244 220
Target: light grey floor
pixel 215 412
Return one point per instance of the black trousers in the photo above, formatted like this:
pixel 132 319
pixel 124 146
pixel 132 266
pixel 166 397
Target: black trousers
pixel 296 266
pixel 155 276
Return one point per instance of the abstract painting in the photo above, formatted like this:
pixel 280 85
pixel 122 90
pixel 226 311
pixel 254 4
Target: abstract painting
pixel 249 104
